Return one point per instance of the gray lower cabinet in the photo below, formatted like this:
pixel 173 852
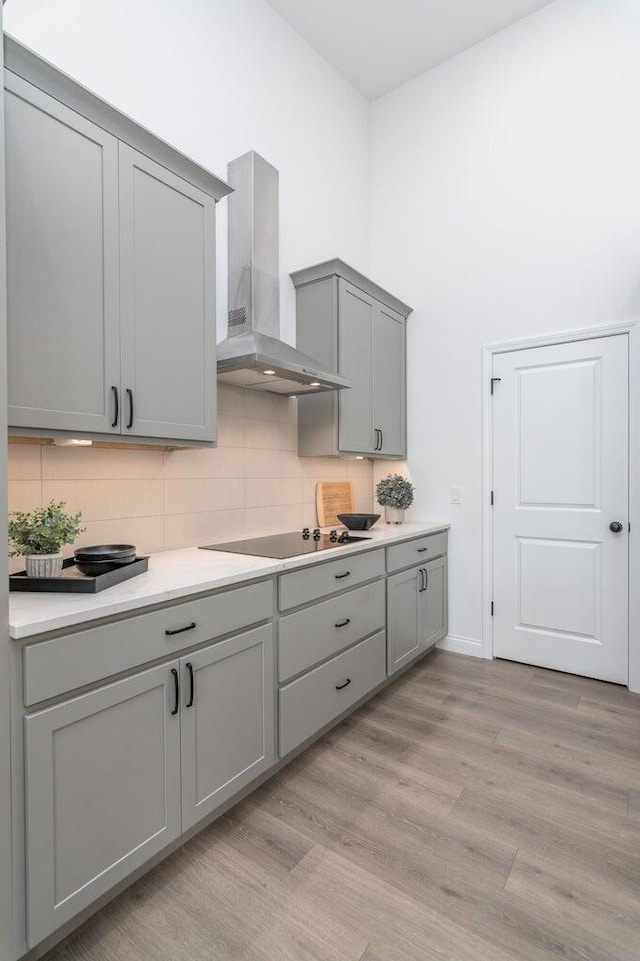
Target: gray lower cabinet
pixel 102 792
pixel 228 735
pixel 346 320
pixel 320 696
pixel 167 303
pixel 416 612
pixel 62 264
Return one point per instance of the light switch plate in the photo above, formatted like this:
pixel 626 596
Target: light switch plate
pixel 456 495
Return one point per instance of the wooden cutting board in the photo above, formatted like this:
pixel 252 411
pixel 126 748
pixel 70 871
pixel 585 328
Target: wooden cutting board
pixel 333 498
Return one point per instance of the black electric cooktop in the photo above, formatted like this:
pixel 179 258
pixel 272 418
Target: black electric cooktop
pixel 286 545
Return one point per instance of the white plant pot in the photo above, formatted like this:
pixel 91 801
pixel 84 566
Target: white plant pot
pixel 43 565
pixel 394 515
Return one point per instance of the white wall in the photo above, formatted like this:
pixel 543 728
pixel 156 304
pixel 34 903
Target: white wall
pixel 505 204
pixel 217 78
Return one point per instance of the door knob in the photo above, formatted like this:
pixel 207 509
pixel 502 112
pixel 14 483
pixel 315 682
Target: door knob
pixel 615 527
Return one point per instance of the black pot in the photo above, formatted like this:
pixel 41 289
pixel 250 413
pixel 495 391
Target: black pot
pixel 358 522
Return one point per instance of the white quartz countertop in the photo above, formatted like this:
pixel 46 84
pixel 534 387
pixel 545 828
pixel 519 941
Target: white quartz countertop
pixel 177 574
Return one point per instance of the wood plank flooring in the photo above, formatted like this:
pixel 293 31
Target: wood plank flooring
pixel 473 811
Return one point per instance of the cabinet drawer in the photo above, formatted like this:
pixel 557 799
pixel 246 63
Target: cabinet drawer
pixel 66 663
pixel 417 551
pixel 322 580
pixel 311 702
pixel 316 633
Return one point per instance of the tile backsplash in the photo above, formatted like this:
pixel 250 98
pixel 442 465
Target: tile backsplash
pixel 253 483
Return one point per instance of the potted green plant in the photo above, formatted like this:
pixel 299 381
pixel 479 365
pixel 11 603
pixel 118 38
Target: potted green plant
pixel 38 536
pixel 395 494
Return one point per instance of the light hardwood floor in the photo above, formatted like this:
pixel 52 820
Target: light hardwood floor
pixel 473 811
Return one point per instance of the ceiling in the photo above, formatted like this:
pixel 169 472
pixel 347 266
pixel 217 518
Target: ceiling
pixel 380 44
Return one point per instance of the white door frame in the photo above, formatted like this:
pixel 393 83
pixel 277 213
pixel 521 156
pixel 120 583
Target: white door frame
pixel 632 329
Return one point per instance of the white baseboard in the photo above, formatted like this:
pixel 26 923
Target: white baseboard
pixel 461 645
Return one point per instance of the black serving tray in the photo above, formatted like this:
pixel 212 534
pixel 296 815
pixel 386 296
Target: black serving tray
pixel 71 581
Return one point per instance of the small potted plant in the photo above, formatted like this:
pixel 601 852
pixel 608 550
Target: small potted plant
pixel 395 494
pixel 39 534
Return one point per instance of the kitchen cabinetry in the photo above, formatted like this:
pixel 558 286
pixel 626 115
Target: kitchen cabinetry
pixel 62 264
pixel 111 269
pixel 356 327
pixel 138 729
pixel 416 612
pixel 167 303
pixel 113 776
pixel 228 728
pixel 102 792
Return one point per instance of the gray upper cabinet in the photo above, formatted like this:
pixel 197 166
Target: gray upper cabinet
pixel 353 325
pixel 167 302
pixel 357 312
pixel 102 792
pixel 228 724
pixel 111 268
pixel 62 264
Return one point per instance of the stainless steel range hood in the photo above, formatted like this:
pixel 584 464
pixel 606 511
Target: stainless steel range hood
pixel 252 354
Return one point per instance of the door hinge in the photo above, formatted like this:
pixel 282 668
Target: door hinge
pixel 492 498
pixel 491 608
pixel 495 380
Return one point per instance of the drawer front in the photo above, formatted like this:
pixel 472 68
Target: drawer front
pixel 322 580
pixel 66 663
pixel 316 698
pixel 417 551
pixel 316 633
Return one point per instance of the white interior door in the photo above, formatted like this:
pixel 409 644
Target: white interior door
pixel 560 480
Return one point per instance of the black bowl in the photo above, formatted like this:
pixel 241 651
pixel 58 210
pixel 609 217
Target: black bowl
pixel 358 522
pixel 93 568
pixel 105 552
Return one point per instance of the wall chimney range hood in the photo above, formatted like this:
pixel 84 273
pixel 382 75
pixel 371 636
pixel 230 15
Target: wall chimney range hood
pixel 252 354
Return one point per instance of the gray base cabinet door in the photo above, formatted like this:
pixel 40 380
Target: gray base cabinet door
pixel 416 612
pixel 167 303
pixel 228 720
pixel 434 602
pixel 103 792
pixel 403 618
pixel 62 265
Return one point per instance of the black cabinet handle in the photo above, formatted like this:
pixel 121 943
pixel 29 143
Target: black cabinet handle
pixel 181 630
pixel 421 550
pixel 191 685
pixel 340 687
pixel 176 689
pixel 339 577
pixel 130 396
pixel 426 579
pixel 116 407
pixel 344 623
pixel 381 440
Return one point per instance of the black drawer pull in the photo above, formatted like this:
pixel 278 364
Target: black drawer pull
pixel 344 623
pixel 340 687
pixel 176 689
pixel 181 630
pixel 421 550
pixel 339 577
pixel 191 685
